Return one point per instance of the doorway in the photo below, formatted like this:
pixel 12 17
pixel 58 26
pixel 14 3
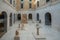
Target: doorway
pixel 3 23
pixel 47 18
pixel 30 16
pixel 19 16
pixel 37 16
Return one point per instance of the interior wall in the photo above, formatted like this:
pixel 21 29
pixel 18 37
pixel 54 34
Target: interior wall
pixel 5 7
pixel 54 10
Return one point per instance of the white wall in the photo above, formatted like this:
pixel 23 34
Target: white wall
pixel 5 7
pixel 55 12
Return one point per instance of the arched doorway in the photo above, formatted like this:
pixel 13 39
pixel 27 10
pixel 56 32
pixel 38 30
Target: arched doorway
pixel 3 23
pixel 47 18
pixel 10 19
pixel 30 16
pixel 19 16
pixel 37 16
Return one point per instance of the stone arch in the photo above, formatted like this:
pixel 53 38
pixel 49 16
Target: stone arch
pixel 48 18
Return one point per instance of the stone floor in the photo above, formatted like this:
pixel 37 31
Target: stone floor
pixel 29 30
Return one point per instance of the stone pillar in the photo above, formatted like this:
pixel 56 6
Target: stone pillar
pixel 37 31
pixel 19 25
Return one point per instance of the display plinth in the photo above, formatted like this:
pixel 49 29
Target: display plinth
pixel 40 37
pixel 16 38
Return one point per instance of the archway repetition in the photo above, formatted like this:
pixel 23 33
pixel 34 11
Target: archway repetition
pixel 30 16
pixel 47 18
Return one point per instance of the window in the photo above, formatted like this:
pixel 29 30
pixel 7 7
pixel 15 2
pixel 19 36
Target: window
pixel 30 16
pixel 14 3
pixel 30 0
pixel 37 16
pixel 48 18
pixel 29 5
pixel 10 1
pixel 21 0
pixel 37 3
pixel 21 5
pixel 19 16
pixel 47 0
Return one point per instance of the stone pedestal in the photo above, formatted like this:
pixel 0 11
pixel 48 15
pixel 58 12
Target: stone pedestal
pixel 37 28
pixel 19 26
pixel 16 38
pixel 40 37
pixel 37 31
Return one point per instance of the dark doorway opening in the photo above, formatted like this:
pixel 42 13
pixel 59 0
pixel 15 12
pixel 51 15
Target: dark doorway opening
pixel 47 18
pixel 19 16
pixel 30 16
pixel 3 23
pixel 37 16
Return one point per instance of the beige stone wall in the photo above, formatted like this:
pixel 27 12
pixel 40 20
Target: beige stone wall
pixel 42 2
pixel 17 5
pixel 26 4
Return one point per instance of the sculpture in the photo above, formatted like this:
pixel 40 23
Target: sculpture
pixel 16 35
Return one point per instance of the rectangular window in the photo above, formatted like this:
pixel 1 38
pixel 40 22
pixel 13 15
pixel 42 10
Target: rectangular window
pixel 37 3
pixel 47 0
pixel 14 3
pixel 21 0
pixel 30 0
pixel 29 5
pixel 10 1
pixel 21 5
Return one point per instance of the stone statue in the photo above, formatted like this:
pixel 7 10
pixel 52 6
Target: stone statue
pixel 16 35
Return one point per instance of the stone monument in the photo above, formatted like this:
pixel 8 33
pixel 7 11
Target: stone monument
pixel 16 35
pixel 39 36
